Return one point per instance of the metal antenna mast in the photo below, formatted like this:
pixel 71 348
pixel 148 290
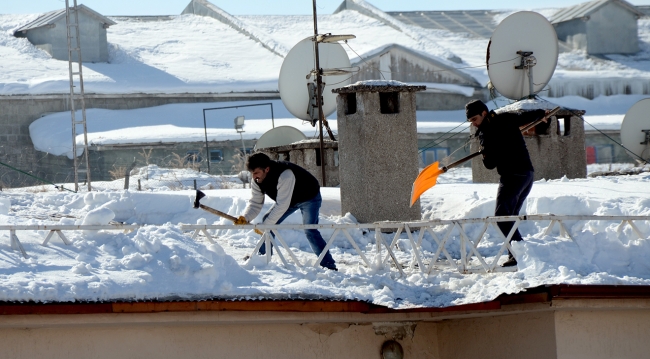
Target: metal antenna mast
pixel 319 98
pixel 76 96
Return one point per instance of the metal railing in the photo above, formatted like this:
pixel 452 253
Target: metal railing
pixel 385 255
pixel 418 257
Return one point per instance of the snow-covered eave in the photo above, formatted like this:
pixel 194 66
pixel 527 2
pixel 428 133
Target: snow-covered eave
pixel 529 296
pixel 99 95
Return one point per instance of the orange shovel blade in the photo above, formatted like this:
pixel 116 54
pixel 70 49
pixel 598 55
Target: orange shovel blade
pixel 425 180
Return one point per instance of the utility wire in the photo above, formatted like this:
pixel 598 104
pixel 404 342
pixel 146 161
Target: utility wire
pixel 38 178
pixel 440 139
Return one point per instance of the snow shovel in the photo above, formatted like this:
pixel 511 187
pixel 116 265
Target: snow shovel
pixel 217 212
pixel 429 176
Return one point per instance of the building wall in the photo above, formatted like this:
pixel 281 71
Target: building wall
pixel 18 112
pixel 576 330
pixel 592 88
pixel 573 32
pixel 599 334
pixel 106 160
pixel 94 45
pixel 191 340
pixel 438 100
pixel 612 30
pixel 527 335
pixel 399 64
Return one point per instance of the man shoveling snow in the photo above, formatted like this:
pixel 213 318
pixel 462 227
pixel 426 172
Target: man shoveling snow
pixel 503 147
pixel 292 188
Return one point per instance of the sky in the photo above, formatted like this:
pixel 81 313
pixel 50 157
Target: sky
pixel 274 7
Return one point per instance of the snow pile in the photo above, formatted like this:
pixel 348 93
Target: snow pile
pixel 159 261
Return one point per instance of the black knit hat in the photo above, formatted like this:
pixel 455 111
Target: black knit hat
pixel 474 107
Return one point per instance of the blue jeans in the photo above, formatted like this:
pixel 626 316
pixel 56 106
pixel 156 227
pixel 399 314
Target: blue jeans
pixel 310 210
pixel 513 190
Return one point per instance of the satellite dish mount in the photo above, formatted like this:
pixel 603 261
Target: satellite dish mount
pixel 527 63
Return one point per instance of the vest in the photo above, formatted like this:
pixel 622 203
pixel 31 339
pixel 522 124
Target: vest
pixel 305 188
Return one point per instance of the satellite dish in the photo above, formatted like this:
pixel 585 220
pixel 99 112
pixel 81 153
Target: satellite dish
pixel 280 136
pixel 295 76
pixel 522 55
pixel 633 129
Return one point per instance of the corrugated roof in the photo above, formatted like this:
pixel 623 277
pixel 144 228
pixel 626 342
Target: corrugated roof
pixel 479 23
pixel 51 17
pixel 587 8
pixel 644 9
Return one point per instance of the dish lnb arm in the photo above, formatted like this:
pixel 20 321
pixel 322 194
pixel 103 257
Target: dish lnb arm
pixel 328 38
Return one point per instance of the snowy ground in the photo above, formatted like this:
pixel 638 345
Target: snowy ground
pixel 159 261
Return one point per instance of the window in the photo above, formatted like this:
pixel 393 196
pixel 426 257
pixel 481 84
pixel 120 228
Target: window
pixel 192 157
pixel 216 156
pixel 389 102
pixel 431 155
pixel 604 153
pixel 351 103
pixel 284 156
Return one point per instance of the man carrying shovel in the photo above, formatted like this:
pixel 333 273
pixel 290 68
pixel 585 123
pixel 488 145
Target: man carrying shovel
pixel 503 147
pixel 292 188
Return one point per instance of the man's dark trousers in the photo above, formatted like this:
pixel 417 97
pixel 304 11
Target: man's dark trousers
pixel 310 210
pixel 513 190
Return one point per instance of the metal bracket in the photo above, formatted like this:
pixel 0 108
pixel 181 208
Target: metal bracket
pixel 528 61
pixel 647 137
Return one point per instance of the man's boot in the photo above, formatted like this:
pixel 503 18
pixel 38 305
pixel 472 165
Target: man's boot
pixel 510 262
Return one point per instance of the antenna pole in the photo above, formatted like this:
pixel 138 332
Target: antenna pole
pixel 319 94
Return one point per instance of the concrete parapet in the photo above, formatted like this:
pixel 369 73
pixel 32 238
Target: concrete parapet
pixel 555 149
pixel 307 155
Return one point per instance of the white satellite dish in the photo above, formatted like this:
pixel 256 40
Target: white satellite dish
pixel 635 122
pixel 522 51
pixel 295 76
pixel 280 136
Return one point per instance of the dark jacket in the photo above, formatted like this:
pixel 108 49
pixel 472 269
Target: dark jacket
pixel 306 187
pixel 503 144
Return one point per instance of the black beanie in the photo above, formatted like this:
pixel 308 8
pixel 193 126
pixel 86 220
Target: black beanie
pixel 474 107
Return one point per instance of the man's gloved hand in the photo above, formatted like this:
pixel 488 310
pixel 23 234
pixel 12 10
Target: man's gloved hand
pixel 241 220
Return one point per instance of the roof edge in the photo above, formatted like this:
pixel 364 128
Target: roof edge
pixel 541 294
pixel 58 14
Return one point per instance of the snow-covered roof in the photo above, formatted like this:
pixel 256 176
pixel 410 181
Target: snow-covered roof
pixel 54 16
pixel 585 9
pixel 231 53
pixel 479 23
pixel 159 261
